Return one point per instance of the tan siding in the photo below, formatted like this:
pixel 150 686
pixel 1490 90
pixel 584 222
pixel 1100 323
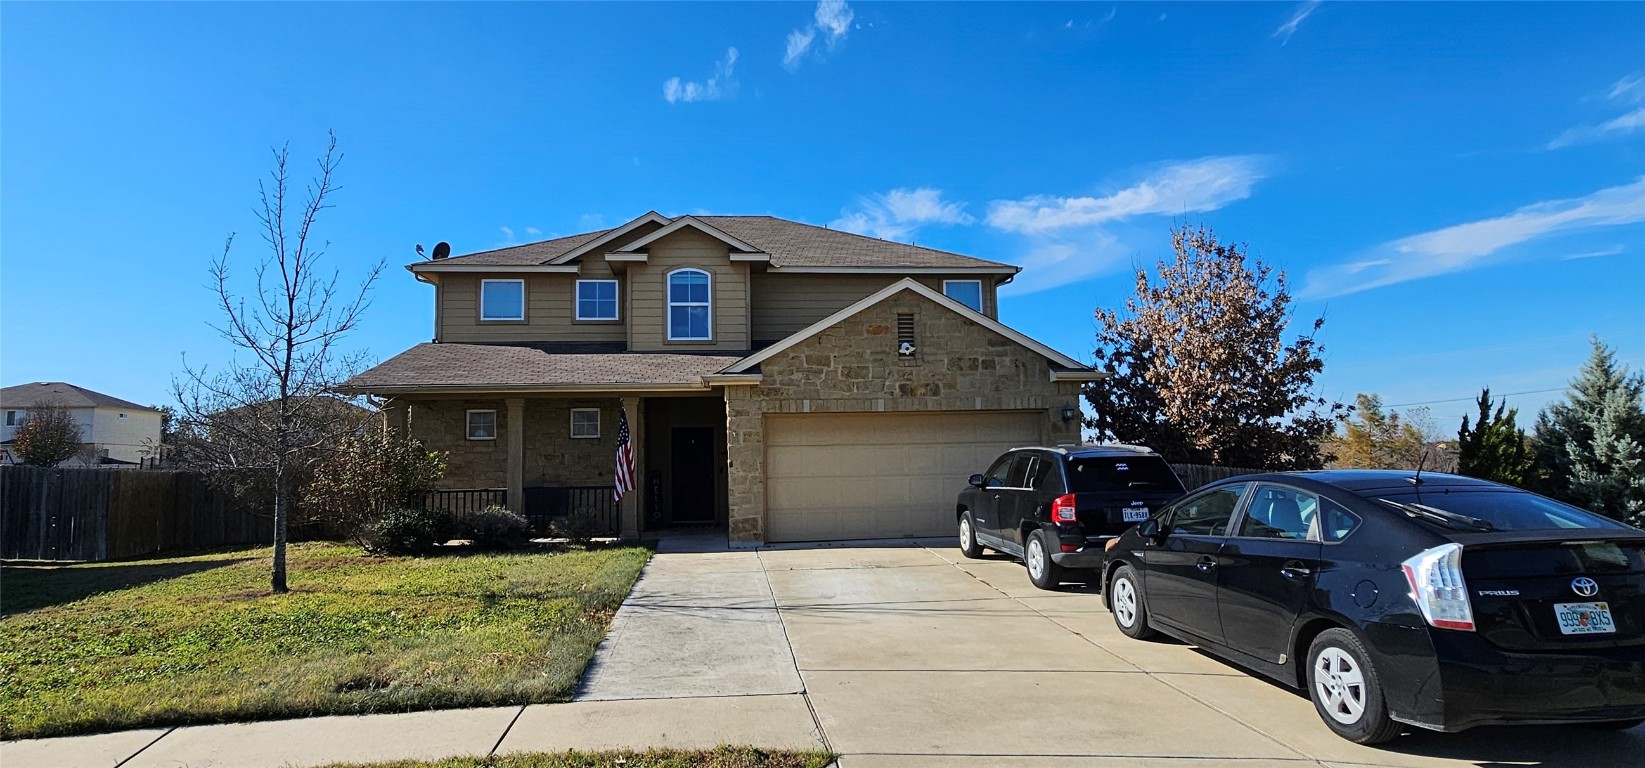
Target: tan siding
pixel 786 304
pixel 549 311
pixel 649 304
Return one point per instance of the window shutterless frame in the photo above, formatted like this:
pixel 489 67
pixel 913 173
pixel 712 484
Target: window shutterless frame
pixel 964 296
pixel 601 298
pixel 486 424
pixel 689 290
pixel 585 423
pixel 488 316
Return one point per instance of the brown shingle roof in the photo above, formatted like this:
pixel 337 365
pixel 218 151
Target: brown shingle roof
pixel 62 395
pixel 478 366
pixel 790 243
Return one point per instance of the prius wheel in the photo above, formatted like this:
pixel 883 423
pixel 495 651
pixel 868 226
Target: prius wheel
pixel 968 537
pixel 1345 689
pixel 1125 602
pixel 1044 573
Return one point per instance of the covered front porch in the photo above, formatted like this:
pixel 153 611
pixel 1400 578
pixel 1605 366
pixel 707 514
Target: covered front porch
pixel 553 458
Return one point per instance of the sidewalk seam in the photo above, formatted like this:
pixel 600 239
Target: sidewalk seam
pixel 145 747
pixel 504 735
pixel 782 622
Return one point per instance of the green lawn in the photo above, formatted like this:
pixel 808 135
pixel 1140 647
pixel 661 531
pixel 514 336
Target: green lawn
pixel 723 757
pixel 200 639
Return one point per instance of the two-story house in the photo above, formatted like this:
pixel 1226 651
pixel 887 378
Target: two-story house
pixel 784 381
pixel 114 430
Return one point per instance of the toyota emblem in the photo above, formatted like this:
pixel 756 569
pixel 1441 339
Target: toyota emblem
pixel 1584 586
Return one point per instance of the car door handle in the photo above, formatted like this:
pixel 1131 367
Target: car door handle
pixel 1206 563
pixel 1295 570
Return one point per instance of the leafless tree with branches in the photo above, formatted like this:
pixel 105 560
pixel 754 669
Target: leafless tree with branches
pixel 272 411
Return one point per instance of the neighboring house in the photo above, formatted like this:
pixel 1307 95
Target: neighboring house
pixel 783 381
pixel 115 430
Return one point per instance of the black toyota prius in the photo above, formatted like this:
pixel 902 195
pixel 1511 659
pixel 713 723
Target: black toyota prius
pixel 1395 598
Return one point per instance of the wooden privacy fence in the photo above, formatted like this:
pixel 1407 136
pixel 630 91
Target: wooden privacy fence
pixel 1196 475
pixel 94 514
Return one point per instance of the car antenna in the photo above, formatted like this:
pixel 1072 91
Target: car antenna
pixel 1416 479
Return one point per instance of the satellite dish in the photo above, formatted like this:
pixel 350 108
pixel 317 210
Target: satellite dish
pixel 442 249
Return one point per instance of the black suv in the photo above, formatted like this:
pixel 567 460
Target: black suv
pixel 1055 508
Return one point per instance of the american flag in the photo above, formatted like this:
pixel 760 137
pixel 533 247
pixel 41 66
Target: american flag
pixel 625 456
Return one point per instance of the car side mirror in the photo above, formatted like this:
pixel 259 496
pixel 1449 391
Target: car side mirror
pixel 1150 529
pixel 975 481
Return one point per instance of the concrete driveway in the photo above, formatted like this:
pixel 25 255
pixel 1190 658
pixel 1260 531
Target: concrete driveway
pixel 910 655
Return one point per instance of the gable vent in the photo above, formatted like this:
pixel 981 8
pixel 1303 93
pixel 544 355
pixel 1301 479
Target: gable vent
pixel 905 335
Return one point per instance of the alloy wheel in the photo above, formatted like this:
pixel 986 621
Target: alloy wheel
pixel 1036 559
pixel 1125 602
pixel 1339 685
pixel 965 533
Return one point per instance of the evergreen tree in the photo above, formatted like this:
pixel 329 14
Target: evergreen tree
pixel 1591 445
pixel 1376 439
pixel 1494 448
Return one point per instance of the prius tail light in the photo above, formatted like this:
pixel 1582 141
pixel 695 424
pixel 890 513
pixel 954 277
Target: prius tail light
pixel 1435 576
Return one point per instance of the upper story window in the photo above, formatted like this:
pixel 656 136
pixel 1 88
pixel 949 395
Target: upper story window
pixel 11 419
pixel 502 300
pixel 596 299
pixel 967 292
pixel 690 311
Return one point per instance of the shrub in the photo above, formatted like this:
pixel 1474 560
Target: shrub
pixel 371 472
pixel 580 525
pixel 494 528
pixel 408 531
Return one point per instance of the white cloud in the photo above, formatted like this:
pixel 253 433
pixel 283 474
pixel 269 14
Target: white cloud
pixel 1618 126
pixel 1611 251
pixel 897 214
pixel 533 232
pixel 1630 89
pixel 1301 14
pixel 832 19
pixel 1476 243
pixel 723 85
pixel 799 41
pixel 1184 187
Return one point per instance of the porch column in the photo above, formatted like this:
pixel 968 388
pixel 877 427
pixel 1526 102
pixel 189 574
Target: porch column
pixel 633 504
pixel 516 454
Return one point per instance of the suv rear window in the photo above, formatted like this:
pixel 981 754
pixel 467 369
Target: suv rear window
pixel 1507 510
pixel 1121 473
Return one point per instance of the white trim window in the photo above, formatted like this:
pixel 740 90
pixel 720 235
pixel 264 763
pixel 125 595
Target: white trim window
pixel 597 300
pixel 967 292
pixel 482 425
pixel 585 423
pixel 502 300
pixel 690 309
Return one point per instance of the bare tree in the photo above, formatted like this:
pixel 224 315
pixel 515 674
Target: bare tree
pixel 270 413
pixel 49 437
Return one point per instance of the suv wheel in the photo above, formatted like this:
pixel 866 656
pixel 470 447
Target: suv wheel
pixel 968 537
pixel 1345 689
pixel 1125 602
pixel 1044 573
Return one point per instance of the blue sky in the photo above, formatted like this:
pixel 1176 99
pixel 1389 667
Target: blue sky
pixel 1459 188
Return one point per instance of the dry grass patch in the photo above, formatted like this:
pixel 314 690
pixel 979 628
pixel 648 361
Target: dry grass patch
pixel 200 639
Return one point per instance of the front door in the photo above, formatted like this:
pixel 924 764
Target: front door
pixel 692 490
pixel 1180 581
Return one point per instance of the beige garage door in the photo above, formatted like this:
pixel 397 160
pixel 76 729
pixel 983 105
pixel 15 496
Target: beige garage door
pixel 879 475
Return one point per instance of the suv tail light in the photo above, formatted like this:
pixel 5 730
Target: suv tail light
pixel 1436 582
pixel 1062 510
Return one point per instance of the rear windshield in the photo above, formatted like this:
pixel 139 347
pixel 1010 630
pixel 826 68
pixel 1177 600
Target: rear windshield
pixel 1121 473
pixel 1508 510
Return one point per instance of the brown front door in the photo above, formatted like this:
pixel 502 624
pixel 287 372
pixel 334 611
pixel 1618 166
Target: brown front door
pixel 693 484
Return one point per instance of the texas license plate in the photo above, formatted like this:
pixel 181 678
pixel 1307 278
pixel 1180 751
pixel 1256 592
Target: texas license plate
pixel 1135 515
pixel 1584 618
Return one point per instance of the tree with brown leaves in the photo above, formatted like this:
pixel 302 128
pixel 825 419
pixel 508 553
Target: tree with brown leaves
pixel 1200 370
pixel 49 437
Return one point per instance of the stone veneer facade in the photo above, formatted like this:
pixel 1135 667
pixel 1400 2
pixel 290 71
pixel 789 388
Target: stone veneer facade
pixel 552 456
pixel 854 367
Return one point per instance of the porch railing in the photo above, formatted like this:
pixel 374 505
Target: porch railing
pixel 583 510
pixel 462 501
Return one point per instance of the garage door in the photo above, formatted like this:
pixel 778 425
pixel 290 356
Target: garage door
pixel 879 475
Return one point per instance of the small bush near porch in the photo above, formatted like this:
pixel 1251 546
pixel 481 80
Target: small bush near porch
pixel 200 639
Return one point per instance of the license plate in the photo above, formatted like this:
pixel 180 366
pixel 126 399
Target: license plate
pixel 1584 618
pixel 1134 515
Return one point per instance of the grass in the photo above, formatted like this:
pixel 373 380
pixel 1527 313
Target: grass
pixel 722 757
pixel 199 639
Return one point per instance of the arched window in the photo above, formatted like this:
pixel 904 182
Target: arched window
pixel 690 311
